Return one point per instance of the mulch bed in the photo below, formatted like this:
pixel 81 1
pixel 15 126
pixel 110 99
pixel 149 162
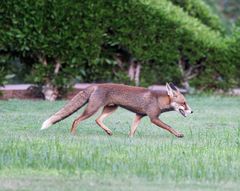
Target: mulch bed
pixel 30 91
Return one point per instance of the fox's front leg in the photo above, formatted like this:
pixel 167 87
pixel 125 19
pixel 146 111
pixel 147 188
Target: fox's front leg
pixel 135 124
pixel 159 123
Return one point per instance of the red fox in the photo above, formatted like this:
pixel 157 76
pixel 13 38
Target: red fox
pixel 142 101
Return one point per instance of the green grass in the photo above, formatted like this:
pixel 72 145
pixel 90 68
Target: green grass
pixel 207 158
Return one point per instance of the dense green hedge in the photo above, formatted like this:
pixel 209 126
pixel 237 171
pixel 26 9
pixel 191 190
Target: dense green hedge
pixel 63 41
pixel 165 35
pixel 234 50
pixel 201 11
pixel 45 32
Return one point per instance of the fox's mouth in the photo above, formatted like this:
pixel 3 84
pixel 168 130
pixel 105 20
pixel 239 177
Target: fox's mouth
pixel 182 112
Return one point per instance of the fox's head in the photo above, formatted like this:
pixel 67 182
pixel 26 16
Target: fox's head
pixel 177 100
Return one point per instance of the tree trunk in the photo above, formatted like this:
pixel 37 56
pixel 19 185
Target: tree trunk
pixel 137 74
pixel 134 71
pixel 134 67
pixel 131 71
pixel 185 73
pixel 185 84
pixel 49 90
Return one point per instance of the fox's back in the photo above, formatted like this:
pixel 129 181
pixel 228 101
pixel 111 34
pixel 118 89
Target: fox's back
pixel 119 91
pixel 129 97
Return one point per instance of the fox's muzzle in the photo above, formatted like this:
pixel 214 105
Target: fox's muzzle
pixel 182 112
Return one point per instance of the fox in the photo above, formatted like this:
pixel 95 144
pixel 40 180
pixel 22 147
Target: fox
pixel 109 96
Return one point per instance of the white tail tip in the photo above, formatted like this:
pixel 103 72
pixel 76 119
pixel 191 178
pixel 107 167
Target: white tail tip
pixel 46 124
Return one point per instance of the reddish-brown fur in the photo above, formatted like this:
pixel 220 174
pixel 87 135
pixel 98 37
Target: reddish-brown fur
pixel 142 101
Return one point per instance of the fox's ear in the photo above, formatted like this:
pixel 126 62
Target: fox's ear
pixel 173 87
pixel 169 90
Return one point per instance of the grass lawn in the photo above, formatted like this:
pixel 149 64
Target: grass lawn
pixel 207 158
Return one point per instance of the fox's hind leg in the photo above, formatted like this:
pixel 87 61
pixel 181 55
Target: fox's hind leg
pixel 90 110
pixel 107 110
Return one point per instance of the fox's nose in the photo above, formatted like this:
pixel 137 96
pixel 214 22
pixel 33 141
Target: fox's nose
pixel 191 111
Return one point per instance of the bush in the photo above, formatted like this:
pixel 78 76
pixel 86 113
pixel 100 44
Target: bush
pixel 234 49
pixel 54 35
pixel 63 41
pixel 171 44
pixel 200 10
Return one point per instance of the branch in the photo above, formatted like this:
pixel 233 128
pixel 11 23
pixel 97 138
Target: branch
pixel 42 59
pixel 192 68
pixel 192 76
pixel 119 62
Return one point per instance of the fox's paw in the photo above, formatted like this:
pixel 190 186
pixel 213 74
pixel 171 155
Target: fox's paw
pixel 109 133
pixel 179 135
pixel 73 132
pixel 130 135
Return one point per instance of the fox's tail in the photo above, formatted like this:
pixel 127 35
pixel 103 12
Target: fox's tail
pixel 72 106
